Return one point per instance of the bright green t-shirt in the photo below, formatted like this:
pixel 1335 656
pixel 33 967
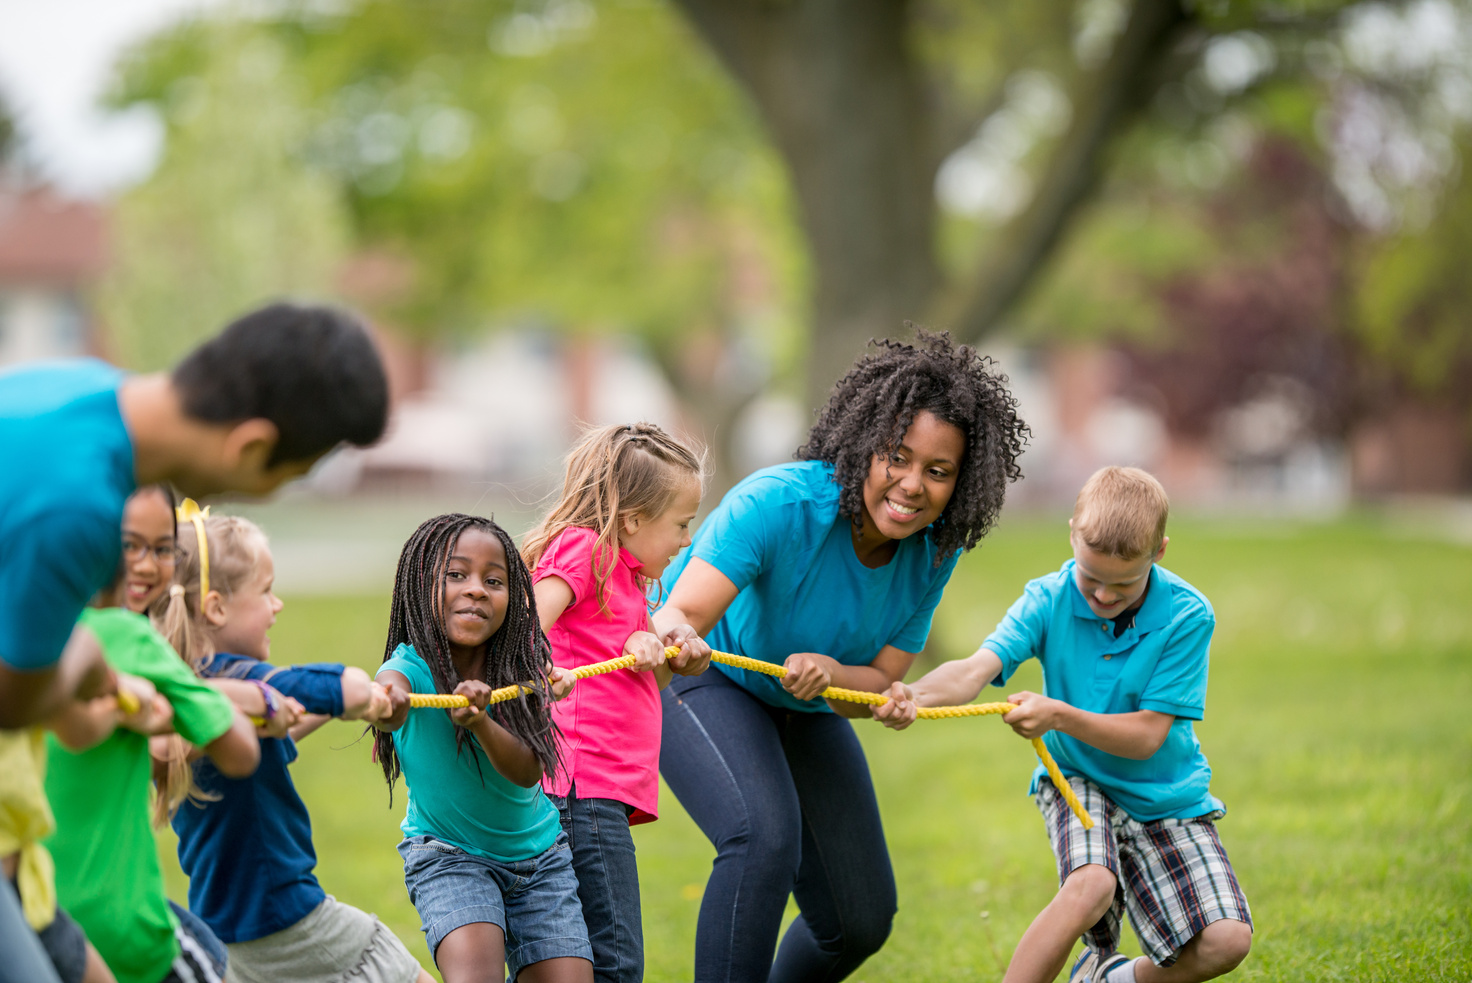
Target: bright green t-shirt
pixel 107 869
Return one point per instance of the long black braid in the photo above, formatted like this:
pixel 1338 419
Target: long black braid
pixel 871 408
pixel 518 651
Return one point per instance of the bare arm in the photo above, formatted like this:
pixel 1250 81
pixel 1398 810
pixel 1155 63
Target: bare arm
pixel 509 756
pixel 27 698
pixel 553 597
pixel 888 668
pixel 700 598
pixel 1135 735
pixel 236 752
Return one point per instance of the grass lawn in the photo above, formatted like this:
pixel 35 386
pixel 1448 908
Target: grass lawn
pixel 1337 727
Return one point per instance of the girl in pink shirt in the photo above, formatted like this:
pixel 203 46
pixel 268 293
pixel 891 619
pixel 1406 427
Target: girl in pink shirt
pixel 628 498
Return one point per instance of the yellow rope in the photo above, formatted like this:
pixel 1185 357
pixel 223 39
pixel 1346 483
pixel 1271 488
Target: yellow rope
pixel 127 702
pixel 771 669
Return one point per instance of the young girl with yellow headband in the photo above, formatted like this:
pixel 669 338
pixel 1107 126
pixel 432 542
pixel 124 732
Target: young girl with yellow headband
pixel 247 844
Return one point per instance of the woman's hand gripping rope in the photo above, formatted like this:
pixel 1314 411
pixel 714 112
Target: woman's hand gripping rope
pixel 831 693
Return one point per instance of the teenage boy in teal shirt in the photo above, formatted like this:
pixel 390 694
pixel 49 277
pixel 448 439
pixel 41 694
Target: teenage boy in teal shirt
pixel 1123 644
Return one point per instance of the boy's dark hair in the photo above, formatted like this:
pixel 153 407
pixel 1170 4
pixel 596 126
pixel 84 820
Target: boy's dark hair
pixel 517 653
pixel 872 407
pixel 311 370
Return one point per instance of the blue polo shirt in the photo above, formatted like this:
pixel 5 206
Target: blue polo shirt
pixel 1159 664
pixel 248 849
pixel 801 588
pixel 66 473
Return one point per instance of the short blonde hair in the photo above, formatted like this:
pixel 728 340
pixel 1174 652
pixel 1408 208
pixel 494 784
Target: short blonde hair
pixel 1121 512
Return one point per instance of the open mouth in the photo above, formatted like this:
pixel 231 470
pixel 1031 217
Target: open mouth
pixel 900 512
pixel 137 590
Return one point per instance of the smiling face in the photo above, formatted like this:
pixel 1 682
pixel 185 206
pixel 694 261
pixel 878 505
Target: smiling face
pixel 655 541
pixel 240 621
pixel 148 549
pixel 909 490
pixel 1110 584
pixel 475 591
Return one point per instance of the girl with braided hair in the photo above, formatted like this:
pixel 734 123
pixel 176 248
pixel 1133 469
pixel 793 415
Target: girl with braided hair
pixel 485 859
pixel 628 499
pixel 832 567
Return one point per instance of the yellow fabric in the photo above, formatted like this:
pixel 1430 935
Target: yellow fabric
pixel 768 668
pixel 25 820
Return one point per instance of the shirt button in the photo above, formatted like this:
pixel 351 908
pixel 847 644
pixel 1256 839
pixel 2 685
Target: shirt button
pixel 1108 657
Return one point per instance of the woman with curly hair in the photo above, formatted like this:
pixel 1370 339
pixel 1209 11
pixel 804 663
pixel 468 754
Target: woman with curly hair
pixel 832 567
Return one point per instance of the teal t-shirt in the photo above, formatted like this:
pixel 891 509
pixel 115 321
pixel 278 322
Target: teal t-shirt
pixel 1158 663
pixel 801 588
pixel 107 870
pixel 475 809
pixel 67 470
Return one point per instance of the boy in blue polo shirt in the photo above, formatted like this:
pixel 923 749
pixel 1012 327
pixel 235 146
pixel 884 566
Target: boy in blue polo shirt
pixel 1123 643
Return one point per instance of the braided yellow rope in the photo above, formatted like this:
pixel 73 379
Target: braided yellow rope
pixel 771 669
pixel 127 702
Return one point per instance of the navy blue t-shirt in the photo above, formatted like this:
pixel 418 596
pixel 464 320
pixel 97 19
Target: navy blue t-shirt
pixel 249 852
pixel 66 473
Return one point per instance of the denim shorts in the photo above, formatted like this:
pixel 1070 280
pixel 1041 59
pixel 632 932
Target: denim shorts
pixel 534 902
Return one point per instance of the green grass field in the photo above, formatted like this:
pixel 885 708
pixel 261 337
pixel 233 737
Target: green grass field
pixel 1339 729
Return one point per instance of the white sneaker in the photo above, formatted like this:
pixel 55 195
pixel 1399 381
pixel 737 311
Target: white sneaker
pixel 1083 970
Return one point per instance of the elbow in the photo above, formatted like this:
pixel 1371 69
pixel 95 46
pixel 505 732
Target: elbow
pixel 357 692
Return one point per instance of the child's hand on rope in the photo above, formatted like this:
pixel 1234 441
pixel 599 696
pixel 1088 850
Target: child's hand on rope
pixel 286 715
pixel 694 655
pixel 808 674
pixel 479 695
pixel 380 704
pixel 562 681
pixel 647 650
pixel 153 714
pixel 901 709
pixel 399 706
pixel 1035 714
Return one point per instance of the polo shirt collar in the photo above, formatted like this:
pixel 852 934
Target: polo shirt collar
pixel 1154 613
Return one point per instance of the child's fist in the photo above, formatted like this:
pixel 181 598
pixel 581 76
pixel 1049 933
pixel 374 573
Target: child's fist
pixel 288 711
pixel 900 711
pixel 1034 716
pixel 647 650
pixel 479 695
pixel 562 681
pixel 380 704
pixel 694 655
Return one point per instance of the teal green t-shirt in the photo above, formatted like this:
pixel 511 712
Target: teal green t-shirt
pixel 475 809
pixel 107 870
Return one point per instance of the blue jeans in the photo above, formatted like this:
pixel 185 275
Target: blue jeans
pixel 608 884
pixel 534 901
pixel 787 801
pixel 24 961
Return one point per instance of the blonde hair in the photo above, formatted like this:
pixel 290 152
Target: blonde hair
pixel 1121 512
pixel 235 546
pixel 614 472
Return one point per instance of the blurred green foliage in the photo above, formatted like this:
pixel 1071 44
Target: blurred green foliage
pixel 230 218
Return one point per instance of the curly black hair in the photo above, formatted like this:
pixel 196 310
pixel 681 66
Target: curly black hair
pixel 871 408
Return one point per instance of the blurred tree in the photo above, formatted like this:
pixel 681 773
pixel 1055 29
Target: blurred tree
pixel 586 168
pixel 229 218
pixel 9 134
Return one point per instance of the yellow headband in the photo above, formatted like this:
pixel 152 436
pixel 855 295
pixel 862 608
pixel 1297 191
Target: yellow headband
pixel 189 511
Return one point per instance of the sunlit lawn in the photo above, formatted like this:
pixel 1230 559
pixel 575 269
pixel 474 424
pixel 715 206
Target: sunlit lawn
pixel 1339 728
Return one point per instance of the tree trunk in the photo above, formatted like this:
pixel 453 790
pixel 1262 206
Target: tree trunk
pixel 844 102
pixel 1104 102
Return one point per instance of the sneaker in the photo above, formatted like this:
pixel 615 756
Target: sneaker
pixel 1101 973
pixel 1083 970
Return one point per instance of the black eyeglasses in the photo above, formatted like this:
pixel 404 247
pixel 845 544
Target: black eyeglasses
pixel 135 550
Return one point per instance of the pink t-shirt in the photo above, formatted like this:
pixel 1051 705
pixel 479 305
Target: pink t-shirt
pixel 611 723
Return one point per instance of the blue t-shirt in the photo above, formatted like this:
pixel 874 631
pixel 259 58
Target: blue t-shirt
pixel 248 853
pixel 453 800
pixel 1159 663
pixel 67 471
pixel 801 588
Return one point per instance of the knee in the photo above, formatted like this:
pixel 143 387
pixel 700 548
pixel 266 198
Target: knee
pixel 866 933
pixel 1223 945
pixel 767 846
pixel 1089 889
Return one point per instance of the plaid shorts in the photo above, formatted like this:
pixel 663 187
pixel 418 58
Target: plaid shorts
pixel 1173 874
